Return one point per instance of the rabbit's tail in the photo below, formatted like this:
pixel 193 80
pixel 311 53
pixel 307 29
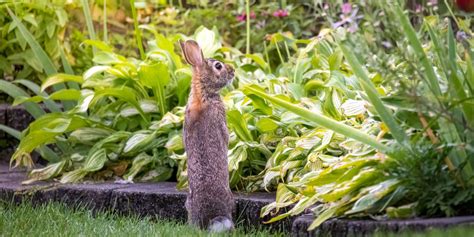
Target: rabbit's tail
pixel 221 224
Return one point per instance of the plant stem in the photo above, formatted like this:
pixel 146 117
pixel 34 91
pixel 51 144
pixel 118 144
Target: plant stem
pixel 138 35
pixel 266 56
pixel 247 11
pixel 278 51
pixel 105 21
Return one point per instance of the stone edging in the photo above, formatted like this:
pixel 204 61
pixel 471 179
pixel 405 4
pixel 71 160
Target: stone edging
pixel 340 227
pixel 162 200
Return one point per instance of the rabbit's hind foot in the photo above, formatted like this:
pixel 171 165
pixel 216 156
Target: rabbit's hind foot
pixel 221 224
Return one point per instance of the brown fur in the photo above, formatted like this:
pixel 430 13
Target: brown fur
pixel 206 140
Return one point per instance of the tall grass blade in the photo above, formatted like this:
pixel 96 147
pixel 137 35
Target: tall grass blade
pixel 88 18
pixel 138 33
pixel 456 79
pixel 67 69
pixel 416 44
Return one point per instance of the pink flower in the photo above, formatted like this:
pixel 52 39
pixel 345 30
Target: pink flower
pixel 432 3
pixel 418 8
pixel 280 13
pixel 346 8
pixel 243 17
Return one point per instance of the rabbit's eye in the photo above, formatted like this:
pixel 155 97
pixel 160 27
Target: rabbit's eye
pixel 218 66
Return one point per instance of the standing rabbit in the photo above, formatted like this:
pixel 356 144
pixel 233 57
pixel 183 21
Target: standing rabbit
pixel 210 202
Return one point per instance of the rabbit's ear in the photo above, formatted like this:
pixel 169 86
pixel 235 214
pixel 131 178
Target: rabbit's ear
pixel 192 52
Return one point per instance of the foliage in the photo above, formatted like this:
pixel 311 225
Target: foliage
pixel 45 21
pixel 401 178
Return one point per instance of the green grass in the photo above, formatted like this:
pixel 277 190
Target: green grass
pixel 55 219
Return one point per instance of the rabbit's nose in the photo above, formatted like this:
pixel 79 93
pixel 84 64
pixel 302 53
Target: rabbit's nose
pixel 230 68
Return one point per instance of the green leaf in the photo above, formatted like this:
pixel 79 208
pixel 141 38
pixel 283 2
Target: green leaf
pixel 259 60
pixel 375 193
pixel 102 46
pixel 137 142
pixel 327 214
pixel 60 78
pixel 88 135
pixel 208 40
pixel 124 93
pixel 94 162
pixel 174 143
pixel 95 70
pixel 238 124
pixel 139 162
pixel 156 76
pixel 65 94
pixel 266 125
pixel 47 172
pixel 107 58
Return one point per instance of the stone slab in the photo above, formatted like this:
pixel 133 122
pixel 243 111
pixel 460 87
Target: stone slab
pixel 96 197
pixel 158 200
pixel 348 227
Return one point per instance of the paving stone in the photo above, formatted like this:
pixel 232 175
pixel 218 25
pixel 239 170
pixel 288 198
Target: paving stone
pixel 347 227
pixel 160 200
pixel 12 177
pixel 5 168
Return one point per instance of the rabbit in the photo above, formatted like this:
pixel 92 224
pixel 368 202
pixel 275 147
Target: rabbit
pixel 210 202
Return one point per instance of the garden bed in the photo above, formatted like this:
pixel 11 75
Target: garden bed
pixel 14 117
pixel 162 200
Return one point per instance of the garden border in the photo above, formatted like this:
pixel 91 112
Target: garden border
pixel 15 117
pixel 162 200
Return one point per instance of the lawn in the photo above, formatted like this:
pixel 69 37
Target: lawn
pixel 55 219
